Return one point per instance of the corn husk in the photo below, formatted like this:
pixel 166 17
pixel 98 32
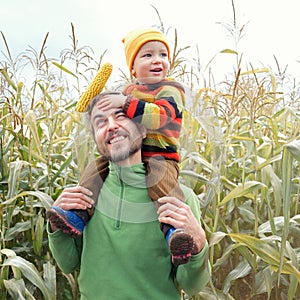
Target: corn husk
pixel 95 87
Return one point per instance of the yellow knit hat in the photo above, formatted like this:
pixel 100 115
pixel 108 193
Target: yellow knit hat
pixel 135 39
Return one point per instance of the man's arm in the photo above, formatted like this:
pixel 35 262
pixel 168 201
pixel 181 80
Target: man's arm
pixel 193 276
pixel 66 250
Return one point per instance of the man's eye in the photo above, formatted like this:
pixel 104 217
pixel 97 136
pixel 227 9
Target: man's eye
pixel 100 123
pixel 121 116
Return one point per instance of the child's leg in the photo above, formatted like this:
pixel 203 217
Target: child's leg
pixel 162 180
pixel 72 222
pixel 93 177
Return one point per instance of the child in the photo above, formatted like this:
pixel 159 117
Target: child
pixel 156 102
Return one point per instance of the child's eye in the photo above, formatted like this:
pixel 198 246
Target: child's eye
pixel 164 55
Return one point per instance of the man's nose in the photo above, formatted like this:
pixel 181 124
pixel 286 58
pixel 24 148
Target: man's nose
pixel 112 123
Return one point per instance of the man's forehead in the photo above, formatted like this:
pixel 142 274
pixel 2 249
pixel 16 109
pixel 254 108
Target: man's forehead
pixel 108 112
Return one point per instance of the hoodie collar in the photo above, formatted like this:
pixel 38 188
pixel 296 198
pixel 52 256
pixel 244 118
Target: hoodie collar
pixel 131 175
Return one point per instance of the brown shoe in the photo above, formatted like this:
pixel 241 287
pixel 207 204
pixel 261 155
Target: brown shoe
pixel 71 222
pixel 181 246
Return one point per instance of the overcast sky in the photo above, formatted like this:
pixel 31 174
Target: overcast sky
pixel 271 27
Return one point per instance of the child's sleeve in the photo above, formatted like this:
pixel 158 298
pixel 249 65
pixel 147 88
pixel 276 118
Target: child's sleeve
pixel 164 108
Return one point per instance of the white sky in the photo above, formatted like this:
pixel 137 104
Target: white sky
pixel 271 27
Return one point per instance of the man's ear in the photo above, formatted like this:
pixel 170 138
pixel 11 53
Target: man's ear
pixel 143 130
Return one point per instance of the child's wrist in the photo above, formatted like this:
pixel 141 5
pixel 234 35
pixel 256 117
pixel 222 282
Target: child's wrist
pixel 126 103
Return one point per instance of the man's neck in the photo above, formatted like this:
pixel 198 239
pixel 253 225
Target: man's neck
pixel 130 161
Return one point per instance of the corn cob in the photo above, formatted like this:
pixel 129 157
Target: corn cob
pixel 95 87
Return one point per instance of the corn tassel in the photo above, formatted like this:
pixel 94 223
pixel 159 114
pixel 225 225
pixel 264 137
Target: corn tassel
pixel 95 87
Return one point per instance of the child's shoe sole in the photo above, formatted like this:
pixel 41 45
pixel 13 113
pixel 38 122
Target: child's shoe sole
pixel 66 220
pixel 181 246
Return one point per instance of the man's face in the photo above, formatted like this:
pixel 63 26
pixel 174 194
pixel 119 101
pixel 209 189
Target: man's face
pixel 118 138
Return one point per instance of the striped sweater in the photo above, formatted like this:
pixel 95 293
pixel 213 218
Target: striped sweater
pixel 159 108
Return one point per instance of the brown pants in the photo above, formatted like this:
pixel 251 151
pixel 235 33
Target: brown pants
pixel 94 175
pixel 161 179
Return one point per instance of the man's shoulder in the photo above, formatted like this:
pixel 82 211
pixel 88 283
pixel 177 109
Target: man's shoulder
pixel 188 192
pixel 191 199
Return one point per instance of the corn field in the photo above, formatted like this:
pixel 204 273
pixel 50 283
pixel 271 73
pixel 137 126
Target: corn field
pixel 240 152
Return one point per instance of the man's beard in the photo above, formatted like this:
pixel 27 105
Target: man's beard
pixel 120 155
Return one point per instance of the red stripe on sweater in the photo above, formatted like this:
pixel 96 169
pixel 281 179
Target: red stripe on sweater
pixel 132 108
pixel 166 155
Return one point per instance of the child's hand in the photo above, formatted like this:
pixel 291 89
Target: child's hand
pixel 111 101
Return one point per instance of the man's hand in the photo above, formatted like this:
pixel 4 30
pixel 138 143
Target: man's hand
pixel 76 197
pixel 178 214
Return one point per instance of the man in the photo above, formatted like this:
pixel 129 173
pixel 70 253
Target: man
pixel 122 254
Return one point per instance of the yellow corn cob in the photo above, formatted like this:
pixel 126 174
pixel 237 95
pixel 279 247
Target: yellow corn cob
pixel 95 87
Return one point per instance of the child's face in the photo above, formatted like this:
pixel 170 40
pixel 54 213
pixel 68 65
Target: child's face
pixel 151 63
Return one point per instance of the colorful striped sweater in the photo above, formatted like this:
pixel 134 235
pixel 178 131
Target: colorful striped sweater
pixel 159 108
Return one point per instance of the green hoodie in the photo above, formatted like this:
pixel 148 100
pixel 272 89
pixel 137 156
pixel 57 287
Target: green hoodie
pixel 122 253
